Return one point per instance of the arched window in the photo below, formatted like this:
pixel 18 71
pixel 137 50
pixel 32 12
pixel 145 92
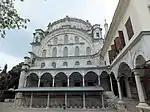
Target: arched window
pixel 65 52
pixel 44 53
pixel 89 62
pixel 76 51
pixel 55 41
pixel 76 39
pixel 65 64
pixel 54 52
pixel 42 65
pixel 77 63
pixel 97 35
pixel 88 51
pixel 54 65
pixel 66 39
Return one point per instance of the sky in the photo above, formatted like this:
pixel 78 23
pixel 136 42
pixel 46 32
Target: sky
pixel 16 44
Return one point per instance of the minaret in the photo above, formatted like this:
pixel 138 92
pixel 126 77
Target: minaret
pixel 106 27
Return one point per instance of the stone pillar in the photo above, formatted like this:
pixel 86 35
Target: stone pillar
pixel 31 100
pixel 119 90
pixel 111 84
pixel 103 105
pixel 53 81
pixel 83 81
pixel 128 87
pixel 66 99
pixel 140 89
pixel 22 79
pixel 99 81
pixel 48 100
pixel 39 81
pixel 18 100
pixel 68 82
pixel 84 101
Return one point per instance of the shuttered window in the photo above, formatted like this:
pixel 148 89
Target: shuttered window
pixel 121 35
pixel 129 28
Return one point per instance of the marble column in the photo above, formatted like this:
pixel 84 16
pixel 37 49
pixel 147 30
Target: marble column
pixel 111 84
pixel 53 82
pixel 68 82
pixel 83 81
pixel 39 81
pixel 127 85
pixel 48 98
pixel 31 100
pixel 84 105
pixel 119 90
pixel 103 105
pixel 99 81
pixel 66 99
pixel 139 89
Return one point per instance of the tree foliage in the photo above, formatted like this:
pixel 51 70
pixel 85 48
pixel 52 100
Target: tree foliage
pixel 15 74
pixel 9 17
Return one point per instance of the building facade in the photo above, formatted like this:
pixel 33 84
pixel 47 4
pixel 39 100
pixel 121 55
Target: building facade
pixel 64 69
pixel 126 50
pixel 73 66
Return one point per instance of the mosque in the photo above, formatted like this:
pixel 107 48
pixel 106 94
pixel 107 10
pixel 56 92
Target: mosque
pixel 74 65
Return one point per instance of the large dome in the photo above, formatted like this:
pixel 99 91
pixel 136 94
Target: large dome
pixel 69 22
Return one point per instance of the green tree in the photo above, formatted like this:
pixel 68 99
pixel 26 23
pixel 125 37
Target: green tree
pixel 9 17
pixel 15 75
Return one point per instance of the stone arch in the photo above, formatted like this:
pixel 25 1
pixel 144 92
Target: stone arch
pixel 46 80
pixel 91 79
pixel 61 32
pixel 127 81
pixel 54 52
pixel 139 61
pixel 124 70
pixel 105 81
pixel 61 80
pixel 75 79
pixel 144 73
pixel 138 53
pixel 32 80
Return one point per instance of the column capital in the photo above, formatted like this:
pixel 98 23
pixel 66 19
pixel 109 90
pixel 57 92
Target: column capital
pixel 136 71
pixel 39 77
pixel 118 79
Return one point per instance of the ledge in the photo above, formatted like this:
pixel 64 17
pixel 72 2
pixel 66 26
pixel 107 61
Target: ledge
pixel 60 89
